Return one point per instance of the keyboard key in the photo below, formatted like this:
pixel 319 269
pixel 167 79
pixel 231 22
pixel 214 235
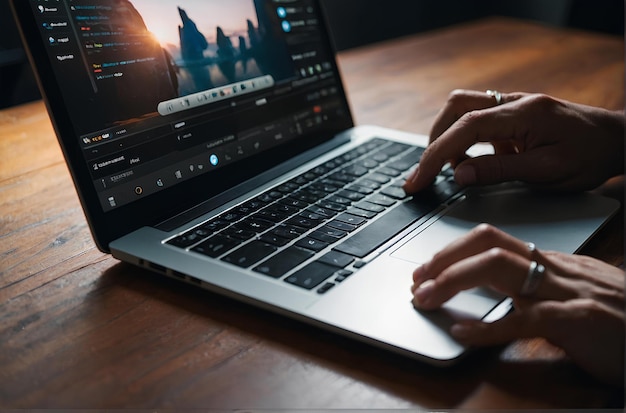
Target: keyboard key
pixel 380 157
pixel 361 189
pixel 239 233
pixel 250 254
pixel 339 200
pixel 288 231
pixel 274 239
pixel 355 170
pixel 256 224
pixel 283 262
pixel 351 195
pixel 311 244
pixel 302 222
pixel 361 213
pixel 321 211
pixel 393 192
pixel 389 172
pixel 311 275
pixel 189 238
pixel 370 207
pixel 350 219
pixel 342 177
pixel 324 237
pixel 366 183
pixel 331 205
pixel 216 245
pixel 378 178
pixel 308 197
pixel 324 288
pixel 326 188
pixel 382 199
pixel 271 215
pixel 368 163
pixel 215 225
pixel 332 232
pixel 337 259
pixel 342 275
pixel 288 187
pixel 341 226
pixel 293 202
pixel 284 208
pixel 313 216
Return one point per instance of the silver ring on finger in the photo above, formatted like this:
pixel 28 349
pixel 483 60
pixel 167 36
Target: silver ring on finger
pixel 496 95
pixel 535 275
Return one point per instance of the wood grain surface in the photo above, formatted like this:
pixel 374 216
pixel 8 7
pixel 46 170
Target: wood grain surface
pixel 80 330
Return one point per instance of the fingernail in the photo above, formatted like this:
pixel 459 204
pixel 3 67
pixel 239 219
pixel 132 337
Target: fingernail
pixel 413 175
pixel 418 272
pixel 423 292
pixel 460 331
pixel 465 175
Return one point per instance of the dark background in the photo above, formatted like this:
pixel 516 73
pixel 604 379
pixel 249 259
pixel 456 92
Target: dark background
pixel 358 22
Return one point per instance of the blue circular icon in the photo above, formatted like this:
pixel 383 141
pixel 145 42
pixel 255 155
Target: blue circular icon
pixel 286 26
pixel 282 13
pixel 213 159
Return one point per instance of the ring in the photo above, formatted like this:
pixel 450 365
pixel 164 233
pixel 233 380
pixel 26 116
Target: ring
pixel 535 274
pixel 495 94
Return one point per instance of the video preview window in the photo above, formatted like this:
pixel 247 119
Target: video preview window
pixel 146 55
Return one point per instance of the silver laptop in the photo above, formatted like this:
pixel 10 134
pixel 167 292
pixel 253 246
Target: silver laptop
pixel 211 142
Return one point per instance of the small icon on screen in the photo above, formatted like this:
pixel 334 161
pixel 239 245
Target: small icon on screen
pixel 282 12
pixel 214 160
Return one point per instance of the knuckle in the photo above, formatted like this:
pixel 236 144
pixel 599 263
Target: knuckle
pixel 542 101
pixel 473 116
pixel 457 94
pixel 498 256
pixel 589 308
pixel 458 101
pixel 485 232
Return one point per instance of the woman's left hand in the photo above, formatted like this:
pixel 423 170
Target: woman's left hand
pixel 577 305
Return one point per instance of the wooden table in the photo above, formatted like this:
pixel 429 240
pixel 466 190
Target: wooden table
pixel 78 329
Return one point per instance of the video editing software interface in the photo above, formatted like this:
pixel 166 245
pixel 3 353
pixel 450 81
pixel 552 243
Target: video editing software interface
pixel 163 91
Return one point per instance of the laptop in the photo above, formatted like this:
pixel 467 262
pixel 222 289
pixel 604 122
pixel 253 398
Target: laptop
pixel 212 142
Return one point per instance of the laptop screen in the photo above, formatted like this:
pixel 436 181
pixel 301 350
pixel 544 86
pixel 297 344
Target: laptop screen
pixel 159 93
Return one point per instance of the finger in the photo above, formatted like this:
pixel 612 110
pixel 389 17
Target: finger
pixel 499 269
pixel 505 147
pixel 459 102
pixel 492 169
pixel 533 321
pixel 502 123
pixel 588 277
pixel 481 238
pixel 462 101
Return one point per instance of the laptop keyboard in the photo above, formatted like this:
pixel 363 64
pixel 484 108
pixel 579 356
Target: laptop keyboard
pixel 330 217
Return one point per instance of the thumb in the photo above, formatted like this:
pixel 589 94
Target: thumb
pixel 493 169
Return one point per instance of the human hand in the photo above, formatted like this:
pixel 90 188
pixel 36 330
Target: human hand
pixel 578 304
pixel 543 141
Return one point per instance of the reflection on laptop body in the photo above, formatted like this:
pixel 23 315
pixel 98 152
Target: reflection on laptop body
pixel 212 142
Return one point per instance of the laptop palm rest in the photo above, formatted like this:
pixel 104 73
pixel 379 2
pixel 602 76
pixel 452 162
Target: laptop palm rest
pixel 377 304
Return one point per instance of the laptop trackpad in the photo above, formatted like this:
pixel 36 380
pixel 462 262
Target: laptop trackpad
pixel 553 222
